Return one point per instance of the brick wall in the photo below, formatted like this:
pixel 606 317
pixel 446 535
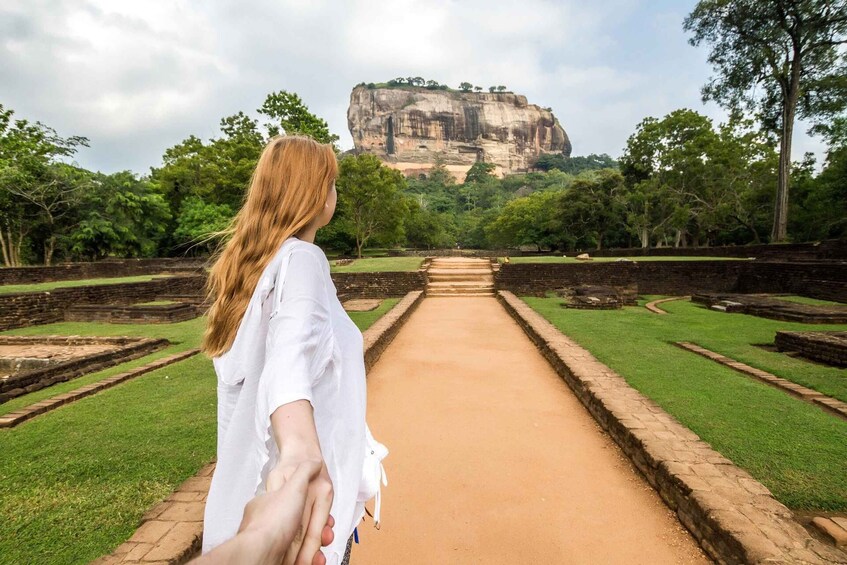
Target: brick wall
pixel 659 277
pixel 830 250
pixel 98 269
pixel 378 285
pixel 33 308
pixel 818 280
pixel 827 281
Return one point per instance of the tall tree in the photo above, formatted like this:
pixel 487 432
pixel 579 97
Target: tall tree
pixel 120 215
pixel 779 58
pixel 371 197
pixel 38 188
pixel 290 115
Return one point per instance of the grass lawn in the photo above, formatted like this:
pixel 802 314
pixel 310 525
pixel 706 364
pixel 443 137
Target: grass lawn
pixel 75 482
pixel 796 449
pixel 38 287
pixel 375 264
pixel 571 258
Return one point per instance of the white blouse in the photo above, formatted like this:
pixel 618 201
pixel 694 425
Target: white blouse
pixel 302 344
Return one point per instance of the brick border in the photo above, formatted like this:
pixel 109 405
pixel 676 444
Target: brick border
pixel 382 332
pixel 172 531
pixel 130 348
pixel 832 405
pixel 733 517
pixel 12 419
pixel 653 306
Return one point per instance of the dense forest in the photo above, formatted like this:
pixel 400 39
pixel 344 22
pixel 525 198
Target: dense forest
pixel 681 180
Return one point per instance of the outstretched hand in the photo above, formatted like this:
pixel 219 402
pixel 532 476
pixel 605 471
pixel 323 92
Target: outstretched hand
pixel 271 522
pixel 315 524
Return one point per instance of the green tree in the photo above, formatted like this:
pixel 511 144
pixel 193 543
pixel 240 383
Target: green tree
pixel 197 219
pixel 665 162
pixel 782 59
pixel 576 164
pixel 593 208
pixel 120 215
pixel 465 87
pixel 289 115
pixel 371 196
pixel 531 220
pixel 424 228
pixel 39 191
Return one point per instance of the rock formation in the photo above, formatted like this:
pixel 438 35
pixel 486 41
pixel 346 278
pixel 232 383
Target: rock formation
pixel 410 128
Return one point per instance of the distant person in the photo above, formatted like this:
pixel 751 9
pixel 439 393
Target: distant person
pixel 289 360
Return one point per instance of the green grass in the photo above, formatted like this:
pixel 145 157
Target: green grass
pixel 571 258
pixel 75 482
pixel 182 335
pixel 378 264
pixel 40 287
pixel 365 319
pixel 794 448
pixel 810 301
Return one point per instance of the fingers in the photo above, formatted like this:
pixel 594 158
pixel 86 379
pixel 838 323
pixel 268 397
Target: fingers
pixel 317 520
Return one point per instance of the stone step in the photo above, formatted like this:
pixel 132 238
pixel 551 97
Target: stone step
pixel 460 262
pixel 470 278
pixel 459 271
pixel 451 291
pixel 460 284
pixel 457 294
pixel 458 267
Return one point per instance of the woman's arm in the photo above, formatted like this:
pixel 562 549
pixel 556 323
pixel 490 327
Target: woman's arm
pixel 299 347
pixel 294 431
pixel 269 525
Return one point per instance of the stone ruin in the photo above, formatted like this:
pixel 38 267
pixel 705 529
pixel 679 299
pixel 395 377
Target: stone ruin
pixel 770 306
pixel 598 297
pixel 30 363
pixel 825 347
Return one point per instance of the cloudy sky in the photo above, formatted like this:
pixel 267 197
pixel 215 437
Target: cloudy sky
pixel 137 77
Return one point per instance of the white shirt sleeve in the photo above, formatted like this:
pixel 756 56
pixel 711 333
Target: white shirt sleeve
pixel 299 340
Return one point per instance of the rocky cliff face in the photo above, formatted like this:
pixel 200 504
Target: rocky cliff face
pixel 409 128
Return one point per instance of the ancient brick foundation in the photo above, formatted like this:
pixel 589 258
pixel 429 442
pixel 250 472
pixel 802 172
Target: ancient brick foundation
pixel 125 349
pixel 46 307
pixel 132 314
pixel 827 347
pixel 106 268
pixel 378 285
pixel 818 280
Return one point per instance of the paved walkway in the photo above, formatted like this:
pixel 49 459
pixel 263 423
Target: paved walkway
pixel 493 460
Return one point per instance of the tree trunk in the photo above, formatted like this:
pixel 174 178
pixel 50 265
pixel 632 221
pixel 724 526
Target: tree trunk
pixel 780 212
pixel 645 238
pixel 49 247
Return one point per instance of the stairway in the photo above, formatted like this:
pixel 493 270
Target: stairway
pixel 460 276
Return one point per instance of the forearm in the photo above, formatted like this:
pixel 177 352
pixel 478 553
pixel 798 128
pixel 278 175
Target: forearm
pixel 253 547
pixel 294 431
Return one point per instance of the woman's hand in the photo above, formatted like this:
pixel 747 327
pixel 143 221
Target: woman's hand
pixel 270 524
pixel 294 431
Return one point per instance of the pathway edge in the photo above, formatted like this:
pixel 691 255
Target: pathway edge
pixel 172 531
pixel 733 517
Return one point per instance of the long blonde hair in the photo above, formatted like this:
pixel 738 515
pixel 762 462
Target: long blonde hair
pixel 288 190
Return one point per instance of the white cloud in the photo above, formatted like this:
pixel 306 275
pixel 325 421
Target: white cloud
pixel 138 77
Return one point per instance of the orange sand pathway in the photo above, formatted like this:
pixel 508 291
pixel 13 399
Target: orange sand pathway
pixel 493 460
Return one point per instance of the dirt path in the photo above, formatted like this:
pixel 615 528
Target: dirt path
pixel 493 460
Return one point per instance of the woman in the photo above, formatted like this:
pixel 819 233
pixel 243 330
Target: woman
pixel 289 360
